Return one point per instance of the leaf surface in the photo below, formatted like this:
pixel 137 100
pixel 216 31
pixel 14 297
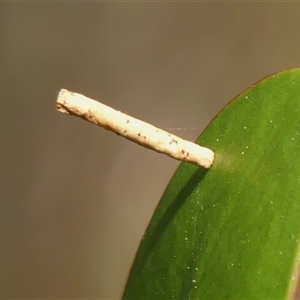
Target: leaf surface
pixel 231 232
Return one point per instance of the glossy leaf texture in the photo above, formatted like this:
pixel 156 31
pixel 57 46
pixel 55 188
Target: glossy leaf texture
pixel 231 232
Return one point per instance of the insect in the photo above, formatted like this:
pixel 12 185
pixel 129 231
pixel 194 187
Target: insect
pixel 140 132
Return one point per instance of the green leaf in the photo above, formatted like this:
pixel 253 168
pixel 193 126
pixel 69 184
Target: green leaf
pixel 231 232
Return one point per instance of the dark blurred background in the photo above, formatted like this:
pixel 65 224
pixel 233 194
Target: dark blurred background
pixel 76 199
